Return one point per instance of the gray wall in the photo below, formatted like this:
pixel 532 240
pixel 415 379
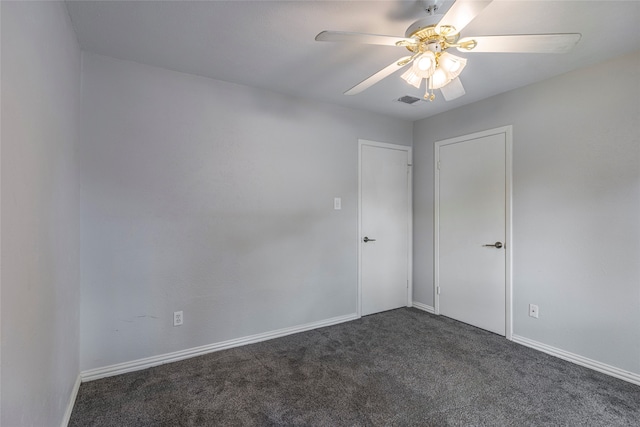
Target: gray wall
pixel 576 206
pixel 40 224
pixel 215 199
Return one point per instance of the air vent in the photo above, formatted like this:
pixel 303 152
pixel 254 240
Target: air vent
pixel 408 99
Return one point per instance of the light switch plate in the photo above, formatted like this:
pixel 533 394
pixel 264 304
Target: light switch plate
pixel 337 203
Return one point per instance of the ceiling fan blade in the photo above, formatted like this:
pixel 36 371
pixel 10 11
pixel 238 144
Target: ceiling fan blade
pixel 453 90
pixel 461 13
pixel 343 36
pixel 386 71
pixel 528 43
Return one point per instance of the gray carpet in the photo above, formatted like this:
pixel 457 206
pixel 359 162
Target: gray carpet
pixel 401 367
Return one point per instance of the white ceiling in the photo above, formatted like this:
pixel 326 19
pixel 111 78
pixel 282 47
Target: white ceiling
pixel 270 44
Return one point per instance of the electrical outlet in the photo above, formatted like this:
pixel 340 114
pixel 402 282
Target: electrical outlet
pixel 533 310
pixel 177 318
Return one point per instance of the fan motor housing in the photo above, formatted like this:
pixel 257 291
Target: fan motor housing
pixel 424 30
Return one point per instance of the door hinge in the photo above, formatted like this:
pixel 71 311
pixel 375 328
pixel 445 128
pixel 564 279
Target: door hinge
pixel 407 284
pixel 438 164
pixel 438 290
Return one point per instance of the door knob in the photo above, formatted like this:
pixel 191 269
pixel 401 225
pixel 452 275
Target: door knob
pixel 366 239
pixel 496 245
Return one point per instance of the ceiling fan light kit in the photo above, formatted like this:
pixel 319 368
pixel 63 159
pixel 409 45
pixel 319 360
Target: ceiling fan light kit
pixel 428 40
pixel 438 69
pixel 423 67
pixel 411 77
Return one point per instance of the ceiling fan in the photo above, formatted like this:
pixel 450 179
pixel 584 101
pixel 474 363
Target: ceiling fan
pixel 430 39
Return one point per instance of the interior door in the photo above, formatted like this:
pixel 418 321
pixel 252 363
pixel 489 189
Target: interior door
pixel 385 226
pixel 471 234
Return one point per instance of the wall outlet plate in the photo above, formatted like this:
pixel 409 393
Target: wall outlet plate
pixel 177 318
pixel 533 311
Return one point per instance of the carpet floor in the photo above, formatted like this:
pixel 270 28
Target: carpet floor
pixel 401 367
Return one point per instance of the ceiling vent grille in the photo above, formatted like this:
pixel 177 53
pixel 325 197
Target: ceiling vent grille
pixel 408 99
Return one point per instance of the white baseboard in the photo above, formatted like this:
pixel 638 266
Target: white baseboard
pixel 579 360
pixel 148 362
pixel 72 401
pixel 424 307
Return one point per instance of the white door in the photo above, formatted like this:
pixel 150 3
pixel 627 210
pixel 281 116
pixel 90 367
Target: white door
pixel 472 235
pixel 385 226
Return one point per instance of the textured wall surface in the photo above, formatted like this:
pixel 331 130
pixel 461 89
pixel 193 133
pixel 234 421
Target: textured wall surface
pixel 215 199
pixel 576 207
pixel 40 220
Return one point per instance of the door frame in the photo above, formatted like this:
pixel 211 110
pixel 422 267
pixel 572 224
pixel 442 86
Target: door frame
pixel 508 133
pixel 408 149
